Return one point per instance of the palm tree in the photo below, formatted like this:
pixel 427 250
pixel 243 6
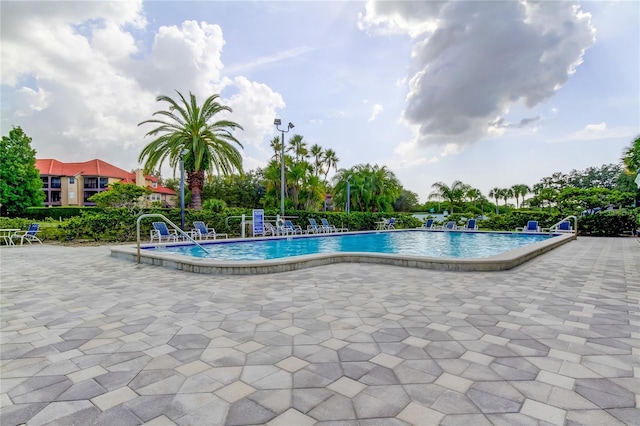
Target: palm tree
pixel 631 157
pixel 520 190
pixel 453 194
pixel 299 147
pixel 506 193
pixel 495 194
pixel 330 161
pixel 473 195
pixel 276 145
pixel 186 128
pixel 373 188
pixel 317 154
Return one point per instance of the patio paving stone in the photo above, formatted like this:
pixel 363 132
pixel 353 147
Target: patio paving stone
pixel 554 341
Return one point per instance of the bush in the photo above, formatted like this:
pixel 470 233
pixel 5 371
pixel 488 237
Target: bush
pixel 214 205
pixel 609 223
pixel 42 213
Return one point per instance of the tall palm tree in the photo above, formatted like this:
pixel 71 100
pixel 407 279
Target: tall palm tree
pixel 473 194
pixel 330 162
pixel 518 191
pixel 318 161
pixel 506 193
pixel 453 194
pixel 299 147
pixel 276 146
pixel 495 194
pixel 187 127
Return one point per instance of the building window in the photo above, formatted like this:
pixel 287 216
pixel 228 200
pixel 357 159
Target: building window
pixel 45 181
pixel 104 182
pixel 154 184
pixel 72 180
pixel 91 182
pixel 56 182
pixel 55 196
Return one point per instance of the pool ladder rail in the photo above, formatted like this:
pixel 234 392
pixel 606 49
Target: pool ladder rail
pixel 173 225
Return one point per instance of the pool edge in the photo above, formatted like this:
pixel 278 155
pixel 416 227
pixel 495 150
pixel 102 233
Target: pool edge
pixel 500 262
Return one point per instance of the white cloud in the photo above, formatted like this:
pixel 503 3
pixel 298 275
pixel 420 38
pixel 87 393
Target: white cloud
pixel 375 110
pixel 473 60
pixel 598 131
pixel 79 78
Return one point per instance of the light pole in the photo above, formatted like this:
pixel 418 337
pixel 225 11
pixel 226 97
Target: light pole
pixel 348 194
pixel 290 126
pixel 182 154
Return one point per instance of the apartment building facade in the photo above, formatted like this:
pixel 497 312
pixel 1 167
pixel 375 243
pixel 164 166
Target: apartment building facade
pixel 72 184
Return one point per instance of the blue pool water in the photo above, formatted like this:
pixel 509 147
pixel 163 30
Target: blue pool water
pixel 414 243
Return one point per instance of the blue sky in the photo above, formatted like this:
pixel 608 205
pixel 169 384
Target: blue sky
pixel 490 93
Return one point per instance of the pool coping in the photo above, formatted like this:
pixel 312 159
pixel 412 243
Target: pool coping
pixel 499 262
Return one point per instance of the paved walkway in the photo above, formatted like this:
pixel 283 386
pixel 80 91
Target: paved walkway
pixel 89 339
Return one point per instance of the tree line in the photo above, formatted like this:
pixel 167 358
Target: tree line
pixel 210 151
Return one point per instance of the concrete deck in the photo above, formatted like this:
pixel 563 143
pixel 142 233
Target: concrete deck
pixel 90 339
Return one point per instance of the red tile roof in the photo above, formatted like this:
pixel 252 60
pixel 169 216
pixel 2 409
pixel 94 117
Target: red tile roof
pixel 52 167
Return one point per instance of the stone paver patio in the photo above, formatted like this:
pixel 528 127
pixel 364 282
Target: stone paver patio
pixel 88 339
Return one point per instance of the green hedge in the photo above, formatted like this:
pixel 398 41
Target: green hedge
pixel 119 225
pixel 609 223
pixel 42 213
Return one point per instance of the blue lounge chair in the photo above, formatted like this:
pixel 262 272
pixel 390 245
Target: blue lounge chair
pixel 471 225
pixel 565 226
pixel 428 224
pixel 391 224
pixel 331 228
pixel 29 235
pixel 450 226
pixel 313 227
pixel 162 233
pixel 290 228
pixel 532 226
pixel 202 232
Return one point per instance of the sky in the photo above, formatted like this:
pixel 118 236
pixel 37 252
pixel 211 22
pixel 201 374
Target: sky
pixel 492 93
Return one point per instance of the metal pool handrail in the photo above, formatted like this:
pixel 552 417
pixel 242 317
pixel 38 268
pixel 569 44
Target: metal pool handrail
pixel 575 224
pixel 163 217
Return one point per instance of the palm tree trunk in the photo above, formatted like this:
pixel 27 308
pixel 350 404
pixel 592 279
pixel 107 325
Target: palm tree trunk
pixel 196 183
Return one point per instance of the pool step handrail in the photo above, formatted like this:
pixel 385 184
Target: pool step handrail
pixel 555 226
pixel 173 225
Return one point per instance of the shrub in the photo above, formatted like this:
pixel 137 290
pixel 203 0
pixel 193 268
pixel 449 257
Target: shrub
pixel 609 223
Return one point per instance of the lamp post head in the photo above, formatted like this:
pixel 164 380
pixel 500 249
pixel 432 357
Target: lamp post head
pixel 291 126
pixel 277 122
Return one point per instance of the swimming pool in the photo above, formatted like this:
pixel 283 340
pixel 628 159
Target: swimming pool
pixel 505 259
pixel 410 242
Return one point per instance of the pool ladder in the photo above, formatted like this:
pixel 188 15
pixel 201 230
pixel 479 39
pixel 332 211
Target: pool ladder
pixel 173 225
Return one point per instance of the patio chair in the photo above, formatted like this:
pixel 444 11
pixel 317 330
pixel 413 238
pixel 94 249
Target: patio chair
pixel 564 226
pixel 532 226
pixel 450 226
pixel 428 224
pixel 313 227
pixel 29 235
pixel 202 232
pixel 269 229
pixel 471 225
pixel 289 227
pixel 162 233
pixel 391 224
pixel 332 228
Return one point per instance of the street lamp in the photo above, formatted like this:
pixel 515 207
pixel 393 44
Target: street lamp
pixel 182 154
pixel 348 194
pixel 290 126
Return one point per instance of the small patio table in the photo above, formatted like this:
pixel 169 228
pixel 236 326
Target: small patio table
pixel 7 235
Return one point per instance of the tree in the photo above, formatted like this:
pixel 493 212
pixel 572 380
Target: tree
pixel 520 190
pixel 20 184
pixel 127 195
pixel 406 202
pixel 207 146
pixel 373 188
pixel 453 194
pixel 631 157
pixel 495 194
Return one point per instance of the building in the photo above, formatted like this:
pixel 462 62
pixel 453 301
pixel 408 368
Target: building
pixel 72 184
